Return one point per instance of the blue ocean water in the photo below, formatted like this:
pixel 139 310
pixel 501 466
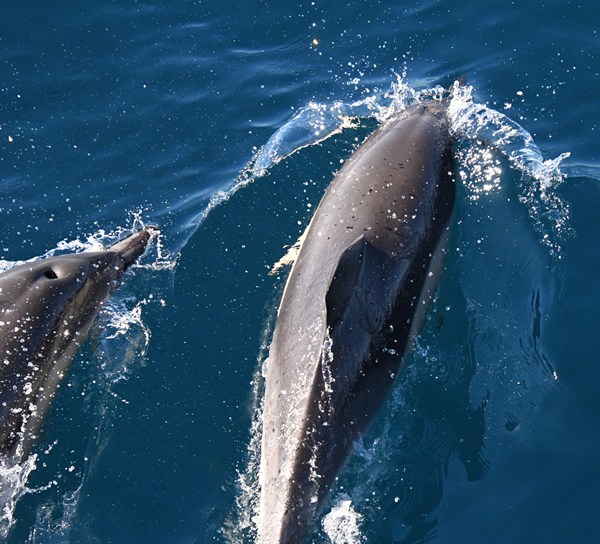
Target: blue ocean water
pixel 223 123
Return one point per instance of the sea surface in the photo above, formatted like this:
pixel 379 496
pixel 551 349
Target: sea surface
pixel 222 123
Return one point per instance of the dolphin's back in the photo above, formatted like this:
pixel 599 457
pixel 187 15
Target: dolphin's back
pixel 348 311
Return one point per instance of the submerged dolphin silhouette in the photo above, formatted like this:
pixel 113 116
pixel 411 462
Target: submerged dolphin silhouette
pixel 356 295
pixel 46 310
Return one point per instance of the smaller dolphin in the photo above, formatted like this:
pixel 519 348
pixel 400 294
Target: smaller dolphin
pixel 46 310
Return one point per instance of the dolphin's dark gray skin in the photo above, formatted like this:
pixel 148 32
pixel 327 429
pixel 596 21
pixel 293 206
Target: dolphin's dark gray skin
pixel 357 294
pixel 46 310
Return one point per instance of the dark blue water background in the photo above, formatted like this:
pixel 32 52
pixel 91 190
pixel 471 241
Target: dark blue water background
pixel 118 113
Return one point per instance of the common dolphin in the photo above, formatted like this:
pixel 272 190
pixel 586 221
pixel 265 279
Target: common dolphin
pixel 356 295
pixel 46 310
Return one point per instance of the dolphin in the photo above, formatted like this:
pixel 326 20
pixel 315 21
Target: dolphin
pixel 356 296
pixel 46 310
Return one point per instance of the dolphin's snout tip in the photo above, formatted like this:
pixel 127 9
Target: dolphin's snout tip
pixel 154 230
pixel 134 245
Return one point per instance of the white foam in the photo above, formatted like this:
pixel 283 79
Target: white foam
pixel 342 523
pixel 491 130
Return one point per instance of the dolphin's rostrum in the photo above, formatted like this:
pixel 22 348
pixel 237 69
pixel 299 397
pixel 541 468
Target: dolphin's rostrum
pixel 46 310
pixel 355 297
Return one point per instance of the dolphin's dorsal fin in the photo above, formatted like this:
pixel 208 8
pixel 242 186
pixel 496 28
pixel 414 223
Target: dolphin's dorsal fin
pixel 344 281
pixel 365 278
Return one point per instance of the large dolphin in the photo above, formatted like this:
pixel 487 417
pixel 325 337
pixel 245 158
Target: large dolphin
pixel 357 294
pixel 46 310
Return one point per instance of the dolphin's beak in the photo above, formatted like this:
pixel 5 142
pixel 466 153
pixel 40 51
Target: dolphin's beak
pixel 130 248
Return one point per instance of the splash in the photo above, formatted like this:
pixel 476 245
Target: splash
pixel 486 130
pixel 316 122
pixel 491 130
pixel 242 525
pixel 342 523
pixel 13 480
pixel 313 124
pixel 47 529
pixel 156 257
pixel 13 486
pixel 124 339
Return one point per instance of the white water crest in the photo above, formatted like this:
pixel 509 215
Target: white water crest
pixel 486 129
pixel 243 523
pixel 13 480
pixel 489 130
pixel 342 523
pixel 155 258
pixel 315 123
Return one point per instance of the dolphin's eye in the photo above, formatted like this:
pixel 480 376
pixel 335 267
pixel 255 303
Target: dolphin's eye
pixel 50 274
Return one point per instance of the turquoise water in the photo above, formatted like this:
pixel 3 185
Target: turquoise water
pixel 223 123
